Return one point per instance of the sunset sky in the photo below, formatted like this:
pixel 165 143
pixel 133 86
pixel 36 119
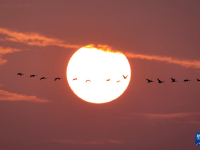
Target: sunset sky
pixel 160 39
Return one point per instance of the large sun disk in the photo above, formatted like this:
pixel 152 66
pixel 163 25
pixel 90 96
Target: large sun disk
pixel 98 66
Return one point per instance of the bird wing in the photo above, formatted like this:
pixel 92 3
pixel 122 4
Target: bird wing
pixel 148 80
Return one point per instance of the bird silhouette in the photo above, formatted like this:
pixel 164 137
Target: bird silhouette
pixel 198 79
pixel 57 79
pixel 159 81
pixel 174 80
pixel 43 78
pixel 33 75
pixel 20 74
pixel 118 81
pixel 87 81
pixel 108 80
pixel 186 80
pixel 74 79
pixel 149 81
pixel 125 76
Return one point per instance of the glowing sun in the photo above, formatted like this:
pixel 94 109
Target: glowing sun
pixel 98 75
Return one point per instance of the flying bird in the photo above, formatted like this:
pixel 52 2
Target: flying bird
pixel 87 80
pixel 159 81
pixel 20 74
pixel 57 79
pixel 125 76
pixel 174 80
pixel 74 79
pixel 198 79
pixel 33 75
pixel 149 81
pixel 43 78
pixel 108 80
pixel 186 80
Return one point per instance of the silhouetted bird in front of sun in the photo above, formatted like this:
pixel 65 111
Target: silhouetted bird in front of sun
pixel 125 76
pixel 57 79
pixel 43 78
pixel 87 81
pixel 186 80
pixel 74 79
pixel 159 81
pixel 20 74
pixel 198 79
pixel 149 81
pixel 174 80
pixel 33 75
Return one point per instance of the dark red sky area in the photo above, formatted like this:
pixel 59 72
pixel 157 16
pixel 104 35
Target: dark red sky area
pixel 147 116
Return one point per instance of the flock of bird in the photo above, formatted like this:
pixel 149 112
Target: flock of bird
pixel 172 79
pixel 33 75
pixel 125 77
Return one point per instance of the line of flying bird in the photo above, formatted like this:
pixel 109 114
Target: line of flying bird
pixel 125 77
pixel 33 75
pixel 172 79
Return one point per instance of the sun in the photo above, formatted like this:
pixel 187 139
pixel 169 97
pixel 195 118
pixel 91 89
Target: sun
pixel 97 74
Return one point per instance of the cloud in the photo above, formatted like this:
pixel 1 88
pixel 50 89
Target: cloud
pixel 4 51
pixel 33 39
pixel 7 96
pixel 94 142
pixel 154 119
pixel 8 50
pixel 115 141
pixel 2 61
pixel 184 63
pixel 194 122
pixel 40 40
pixel 170 115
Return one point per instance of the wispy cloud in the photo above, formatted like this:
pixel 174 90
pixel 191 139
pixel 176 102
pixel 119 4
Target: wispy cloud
pixel 4 51
pixel 2 61
pixel 93 142
pixel 153 119
pixel 8 50
pixel 184 63
pixel 33 39
pixel 194 122
pixel 7 96
pixel 169 115
pixel 40 40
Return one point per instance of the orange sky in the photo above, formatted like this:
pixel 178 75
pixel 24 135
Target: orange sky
pixel 160 40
